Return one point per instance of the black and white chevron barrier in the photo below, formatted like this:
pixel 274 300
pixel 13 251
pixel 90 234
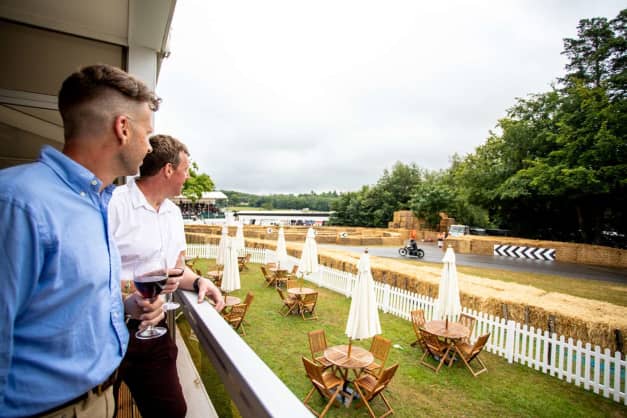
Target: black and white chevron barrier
pixel 547 254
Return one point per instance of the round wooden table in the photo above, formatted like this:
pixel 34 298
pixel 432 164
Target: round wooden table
pixel 300 291
pixel 360 357
pixel 232 300
pixel 455 330
pixel 228 301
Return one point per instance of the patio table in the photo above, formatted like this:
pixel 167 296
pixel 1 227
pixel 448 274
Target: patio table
pixel 455 330
pixel 228 302
pixel 300 291
pixel 359 359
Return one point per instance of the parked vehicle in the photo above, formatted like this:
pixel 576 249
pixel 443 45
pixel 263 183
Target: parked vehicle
pixel 411 249
pixel 458 230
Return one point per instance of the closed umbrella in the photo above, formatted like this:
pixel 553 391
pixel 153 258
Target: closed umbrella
pixel 230 275
pixel 448 304
pixel 281 250
pixel 363 317
pixel 309 258
pixel 222 245
pixel 239 240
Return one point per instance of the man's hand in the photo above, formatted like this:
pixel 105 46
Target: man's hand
pixel 206 288
pixel 171 285
pixel 150 312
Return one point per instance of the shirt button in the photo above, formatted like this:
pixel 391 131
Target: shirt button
pixel 94 182
pixel 82 194
pixel 115 314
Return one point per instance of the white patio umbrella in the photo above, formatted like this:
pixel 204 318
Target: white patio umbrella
pixel 230 275
pixel 448 304
pixel 363 317
pixel 222 245
pixel 239 240
pixel 281 250
pixel 308 264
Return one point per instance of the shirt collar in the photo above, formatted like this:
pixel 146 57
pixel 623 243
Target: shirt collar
pixel 138 199
pixel 76 176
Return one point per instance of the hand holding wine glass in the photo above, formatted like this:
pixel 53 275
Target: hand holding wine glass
pixel 150 276
pixel 174 275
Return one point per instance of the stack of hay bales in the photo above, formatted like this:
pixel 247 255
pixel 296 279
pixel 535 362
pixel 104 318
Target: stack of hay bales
pixel 445 222
pixel 404 219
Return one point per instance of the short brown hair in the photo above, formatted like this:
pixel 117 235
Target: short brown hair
pixel 165 149
pixel 93 94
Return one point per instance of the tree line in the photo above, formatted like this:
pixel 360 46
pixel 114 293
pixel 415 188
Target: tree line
pixel 555 167
pixel 312 200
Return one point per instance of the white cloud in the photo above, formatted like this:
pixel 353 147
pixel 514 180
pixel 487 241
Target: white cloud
pixel 292 96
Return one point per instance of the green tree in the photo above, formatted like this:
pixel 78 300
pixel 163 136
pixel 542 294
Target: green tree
pixel 431 197
pixel 196 184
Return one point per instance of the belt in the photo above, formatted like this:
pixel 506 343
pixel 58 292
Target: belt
pixel 96 390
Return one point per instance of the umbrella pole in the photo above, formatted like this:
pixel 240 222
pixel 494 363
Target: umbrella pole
pixel 445 321
pixel 350 346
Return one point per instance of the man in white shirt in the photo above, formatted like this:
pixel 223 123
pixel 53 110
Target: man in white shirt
pixel 144 221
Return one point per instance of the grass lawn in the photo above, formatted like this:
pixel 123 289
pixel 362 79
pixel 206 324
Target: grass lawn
pixel 508 390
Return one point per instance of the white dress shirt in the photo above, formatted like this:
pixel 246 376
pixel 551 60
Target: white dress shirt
pixel 140 231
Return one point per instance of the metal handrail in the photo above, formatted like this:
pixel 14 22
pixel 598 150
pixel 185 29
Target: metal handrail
pixel 251 384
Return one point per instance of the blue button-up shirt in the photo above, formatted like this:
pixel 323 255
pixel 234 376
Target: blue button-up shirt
pixel 62 327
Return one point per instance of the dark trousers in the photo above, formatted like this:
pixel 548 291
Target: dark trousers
pixel 149 370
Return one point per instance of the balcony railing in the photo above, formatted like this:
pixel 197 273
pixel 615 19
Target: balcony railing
pixel 252 386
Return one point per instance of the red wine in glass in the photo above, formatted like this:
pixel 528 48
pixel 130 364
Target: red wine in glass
pixel 150 286
pixel 150 275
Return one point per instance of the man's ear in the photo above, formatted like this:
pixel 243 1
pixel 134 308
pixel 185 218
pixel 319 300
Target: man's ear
pixel 168 170
pixel 122 128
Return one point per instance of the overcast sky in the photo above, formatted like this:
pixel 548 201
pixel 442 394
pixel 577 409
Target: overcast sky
pixel 293 96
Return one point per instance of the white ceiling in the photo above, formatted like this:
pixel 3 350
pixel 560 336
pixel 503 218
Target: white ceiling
pixel 43 41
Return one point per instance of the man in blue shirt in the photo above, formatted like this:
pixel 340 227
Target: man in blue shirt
pixel 62 330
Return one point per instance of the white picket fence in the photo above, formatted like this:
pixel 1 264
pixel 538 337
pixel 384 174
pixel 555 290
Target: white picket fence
pixel 576 362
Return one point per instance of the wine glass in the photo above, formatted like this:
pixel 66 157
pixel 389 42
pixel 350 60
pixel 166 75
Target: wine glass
pixel 150 275
pixel 173 272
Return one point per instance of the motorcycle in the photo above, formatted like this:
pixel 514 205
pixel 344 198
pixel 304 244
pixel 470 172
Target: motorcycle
pixel 411 250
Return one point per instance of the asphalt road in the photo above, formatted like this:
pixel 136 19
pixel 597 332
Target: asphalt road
pixel 434 254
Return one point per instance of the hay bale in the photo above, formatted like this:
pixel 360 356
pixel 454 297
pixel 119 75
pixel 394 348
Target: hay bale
pixel 371 241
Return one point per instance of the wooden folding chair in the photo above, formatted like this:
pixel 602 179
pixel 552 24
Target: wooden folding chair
pixel 380 349
pixel 247 301
pixel 242 262
pixel 418 321
pixel 235 317
pixel 468 353
pixel 469 322
pixel 270 278
pixel 436 348
pixel 291 283
pixel 292 274
pixel 369 387
pixel 317 345
pixel 307 304
pixel 280 277
pixel 326 383
pixel 289 303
